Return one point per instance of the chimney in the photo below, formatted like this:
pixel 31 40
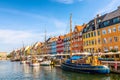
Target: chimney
pixel 118 7
pixel 98 15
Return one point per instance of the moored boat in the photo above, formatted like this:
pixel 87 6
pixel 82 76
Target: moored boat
pixel 34 62
pixel 85 66
pixel 22 62
pixel 46 63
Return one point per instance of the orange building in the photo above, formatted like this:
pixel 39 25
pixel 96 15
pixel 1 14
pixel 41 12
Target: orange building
pixel 110 30
pixel 77 41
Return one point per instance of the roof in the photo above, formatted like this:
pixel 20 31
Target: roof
pixel 79 28
pixel 113 14
pixel 61 37
pixel 76 57
pixel 67 35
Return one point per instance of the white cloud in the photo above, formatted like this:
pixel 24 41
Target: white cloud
pixel 67 1
pixel 12 39
pixel 110 7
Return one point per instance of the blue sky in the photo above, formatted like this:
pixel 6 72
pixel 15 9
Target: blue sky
pixel 24 21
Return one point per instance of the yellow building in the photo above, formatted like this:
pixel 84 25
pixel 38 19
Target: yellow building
pixel 102 34
pixel 3 55
pixel 92 36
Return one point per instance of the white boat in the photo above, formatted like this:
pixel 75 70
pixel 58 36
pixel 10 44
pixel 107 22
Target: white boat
pixel 46 63
pixel 27 62
pixel 22 62
pixel 34 64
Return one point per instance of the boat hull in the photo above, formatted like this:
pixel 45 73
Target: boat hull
pixel 45 63
pixel 22 62
pixel 86 68
pixel 34 64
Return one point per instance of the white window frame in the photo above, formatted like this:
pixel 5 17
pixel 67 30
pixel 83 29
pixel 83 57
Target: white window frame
pixel 110 47
pixel 116 47
pixel 109 30
pixel 114 28
pixel 103 31
pixel 118 28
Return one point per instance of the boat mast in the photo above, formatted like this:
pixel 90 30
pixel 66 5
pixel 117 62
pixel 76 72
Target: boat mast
pixel 45 42
pixel 23 49
pixel 70 35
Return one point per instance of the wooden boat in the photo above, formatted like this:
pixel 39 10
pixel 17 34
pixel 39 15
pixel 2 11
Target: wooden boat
pixel 87 65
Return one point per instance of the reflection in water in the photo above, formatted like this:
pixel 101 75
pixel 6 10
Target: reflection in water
pixel 16 71
pixel 36 72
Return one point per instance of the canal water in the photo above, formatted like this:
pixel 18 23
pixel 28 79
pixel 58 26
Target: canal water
pixel 16 71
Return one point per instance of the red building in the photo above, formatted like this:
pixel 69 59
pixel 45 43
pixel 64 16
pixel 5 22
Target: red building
pixel 60 44
pixel 77 41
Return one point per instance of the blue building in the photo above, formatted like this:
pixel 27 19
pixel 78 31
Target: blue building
pixel 54 45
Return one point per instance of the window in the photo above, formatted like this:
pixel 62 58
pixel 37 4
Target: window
pixel 92 42
pixel 98 40
pixel 94 33
pixel 118 28
pixel 88 34
pixel 98 33
pixel 89 43
pixel 104 40
pixel 111 48
pixel 116 48
pixel 116 39
pixel 110 39
pixel 91 34
pixel 109 30
pixel 105 49
pixel 106 23
pixel 98 21
pixel 116 20
pixel 80 33
pixel 114 29
pixel 103 31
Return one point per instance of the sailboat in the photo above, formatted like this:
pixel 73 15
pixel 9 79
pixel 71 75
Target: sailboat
pixel 45 62
pixel 22 55
pixel 34 61
pixel 83 63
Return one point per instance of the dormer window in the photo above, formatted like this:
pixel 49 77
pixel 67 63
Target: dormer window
pixel 116 20
pixel 106 23
pixel 92 23
pixel 99 21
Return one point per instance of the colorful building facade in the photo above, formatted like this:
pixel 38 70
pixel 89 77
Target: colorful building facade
pixel 67 43
pixel 110 30
pixel 54 45
pixel 92 35
pixel 77 41
pixel 60 44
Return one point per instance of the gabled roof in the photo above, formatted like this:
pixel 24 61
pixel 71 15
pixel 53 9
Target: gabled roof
pixel 61 37
pixel 113 14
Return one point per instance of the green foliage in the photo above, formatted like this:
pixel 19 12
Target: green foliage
pixel 9 56
pixel 113 50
